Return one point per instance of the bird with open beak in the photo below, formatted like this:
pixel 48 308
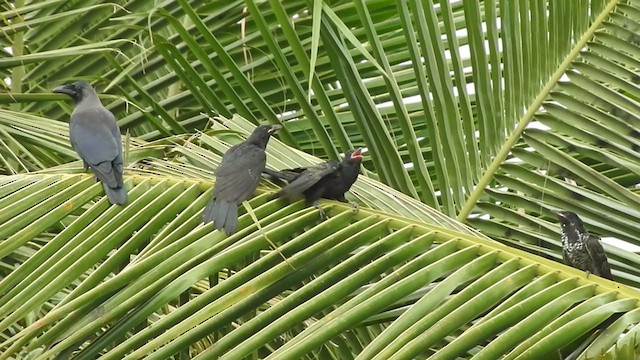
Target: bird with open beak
pixel 329 180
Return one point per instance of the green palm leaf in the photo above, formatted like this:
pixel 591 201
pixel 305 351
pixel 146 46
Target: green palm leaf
pixel 490 112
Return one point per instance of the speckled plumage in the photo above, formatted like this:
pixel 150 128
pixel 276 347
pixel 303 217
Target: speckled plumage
pixel 581 249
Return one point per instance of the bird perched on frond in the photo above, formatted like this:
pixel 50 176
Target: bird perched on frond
pixel 581 249
pixel 237 178
pixel 329 180
pixel 95 136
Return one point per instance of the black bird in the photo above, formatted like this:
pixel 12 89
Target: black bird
pixel 95 136
pixel 329 180
pixel 237 178
pixel 581 249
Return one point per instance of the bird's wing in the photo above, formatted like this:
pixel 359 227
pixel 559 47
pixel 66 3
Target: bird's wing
pixel 310 177
pixel 238 175
pixel 92 136
pixel 598 256
pixel 565 257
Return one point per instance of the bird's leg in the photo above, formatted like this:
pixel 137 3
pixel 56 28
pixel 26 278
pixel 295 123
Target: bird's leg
pixel 86 168
pixel 353 203
pixel 316 205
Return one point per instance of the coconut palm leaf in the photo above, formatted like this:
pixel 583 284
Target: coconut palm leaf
pixel 104 274
pixel 493 112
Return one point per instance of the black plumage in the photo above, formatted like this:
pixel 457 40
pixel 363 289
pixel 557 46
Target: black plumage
pixel 95 136
pixel 581 249
pixel 237 178
pixel 329 180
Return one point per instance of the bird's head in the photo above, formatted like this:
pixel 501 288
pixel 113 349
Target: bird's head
pixel 568 219
pixel 353 156
pixel 260 135
pixel 77 91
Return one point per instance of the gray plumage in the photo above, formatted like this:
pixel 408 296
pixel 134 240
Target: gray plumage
pixel 237 178
pixel 95 136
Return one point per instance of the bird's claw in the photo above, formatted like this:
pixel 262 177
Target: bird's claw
pixel 355 205
pixel 320 209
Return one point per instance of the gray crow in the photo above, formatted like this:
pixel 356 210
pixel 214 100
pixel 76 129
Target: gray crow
pixel 95 136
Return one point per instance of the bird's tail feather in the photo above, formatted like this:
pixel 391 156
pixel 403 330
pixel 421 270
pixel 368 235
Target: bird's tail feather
pixel 220 209
pixel 105 173
pixel 272 173
pixel 207 215
pixel 231 219
pixel 224 215
pixel 286 175
pixel 116 195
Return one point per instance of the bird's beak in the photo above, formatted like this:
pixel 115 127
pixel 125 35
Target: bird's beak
pixel 357 154
pixel 64 89
pixel 558 213
pixel 274 128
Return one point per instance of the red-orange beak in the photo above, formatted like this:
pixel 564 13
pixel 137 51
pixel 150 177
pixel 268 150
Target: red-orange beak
pixel 357 154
